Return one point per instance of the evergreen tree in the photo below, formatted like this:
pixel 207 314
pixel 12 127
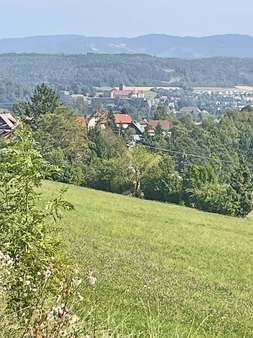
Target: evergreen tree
pixel 44 100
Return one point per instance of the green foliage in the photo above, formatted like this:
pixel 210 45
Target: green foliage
pixel 10 91
pixel 162 112
pixel 28 233
pixel 216 198
pixel 242 185
pixel 44 100
pixel 214 143
pixel 198 175
pixel 80 71
pixel 142 163
pixel 196 183
pixel 109 175
pixel 105 144
pixel 63 143
pixel 164 183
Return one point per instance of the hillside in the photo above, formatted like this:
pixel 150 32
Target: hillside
pixel 163 270
pixel 153 44
pixel 111 70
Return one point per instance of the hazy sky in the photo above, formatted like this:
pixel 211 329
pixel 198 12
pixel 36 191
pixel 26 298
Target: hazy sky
pixel 125 17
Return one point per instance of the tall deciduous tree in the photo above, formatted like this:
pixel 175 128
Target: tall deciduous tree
pixel 142 162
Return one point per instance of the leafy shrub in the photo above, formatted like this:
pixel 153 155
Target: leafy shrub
pixel 36 277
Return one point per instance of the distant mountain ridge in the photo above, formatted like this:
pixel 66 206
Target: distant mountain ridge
pixel 231 45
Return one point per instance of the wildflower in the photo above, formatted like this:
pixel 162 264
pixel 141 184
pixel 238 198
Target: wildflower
pixel 77 282
pixel 74 319
pixel 50 315
pixel 80 296
pixel 47 273
pixel 2 256
pixel 92 278
pixel 62 310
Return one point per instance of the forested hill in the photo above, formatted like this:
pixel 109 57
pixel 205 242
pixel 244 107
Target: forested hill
pixel 110 70
pixel 153 44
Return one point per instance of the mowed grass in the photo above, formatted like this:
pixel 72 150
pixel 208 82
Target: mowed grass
pixel 163 270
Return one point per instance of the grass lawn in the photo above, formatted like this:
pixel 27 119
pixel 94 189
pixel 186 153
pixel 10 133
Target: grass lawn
pixel 163 270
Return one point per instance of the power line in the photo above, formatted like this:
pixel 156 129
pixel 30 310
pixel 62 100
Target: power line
pixel 184 154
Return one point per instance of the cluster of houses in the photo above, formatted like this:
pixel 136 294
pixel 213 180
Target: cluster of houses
pixel 125 124
pixel 136 99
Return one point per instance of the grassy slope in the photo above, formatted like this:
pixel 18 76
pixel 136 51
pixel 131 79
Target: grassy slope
pixel 162 267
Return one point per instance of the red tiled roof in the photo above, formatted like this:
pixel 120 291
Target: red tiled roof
pixel 122 119
pixel 164 124
pixel 126 92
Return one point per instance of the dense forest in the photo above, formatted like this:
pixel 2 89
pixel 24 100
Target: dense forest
pixel 110 70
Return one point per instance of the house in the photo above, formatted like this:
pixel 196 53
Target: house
pixel 122 121
pixel 127 92
pixel 165 126
pixel 137 132
pixel 7 124
pixel 125 124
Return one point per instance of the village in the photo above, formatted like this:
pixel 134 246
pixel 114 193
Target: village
pixel 135 110
pixel 142 102
pixel 132 125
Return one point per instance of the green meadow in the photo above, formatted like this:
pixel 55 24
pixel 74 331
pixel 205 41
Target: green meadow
pixel 162 270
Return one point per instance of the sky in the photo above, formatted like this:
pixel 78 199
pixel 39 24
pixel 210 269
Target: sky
pixel 128 18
